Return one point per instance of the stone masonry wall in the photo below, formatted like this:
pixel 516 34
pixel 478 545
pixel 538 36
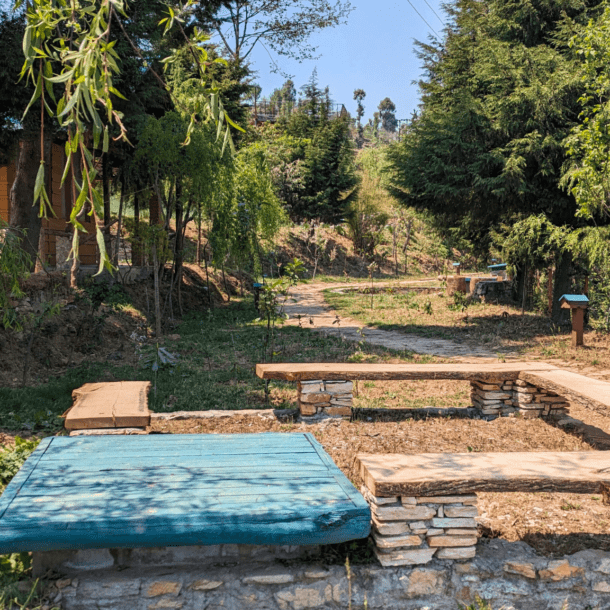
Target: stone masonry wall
pixel 513 398
pixel 319 399
pixel 507 574
pixel 413 530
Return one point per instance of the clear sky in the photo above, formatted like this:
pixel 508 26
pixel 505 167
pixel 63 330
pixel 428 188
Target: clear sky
pixel 374 52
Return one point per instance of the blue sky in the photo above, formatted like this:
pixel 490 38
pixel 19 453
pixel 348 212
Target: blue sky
pixel 374 52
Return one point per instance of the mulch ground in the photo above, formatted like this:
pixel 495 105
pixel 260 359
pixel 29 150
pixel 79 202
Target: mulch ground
pixel 554 524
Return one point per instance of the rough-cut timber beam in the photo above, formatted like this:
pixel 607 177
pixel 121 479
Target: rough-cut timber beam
pixel 446 474
pixel 338 370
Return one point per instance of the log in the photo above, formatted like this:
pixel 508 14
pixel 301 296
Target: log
pixel 339 370
pixel 430 474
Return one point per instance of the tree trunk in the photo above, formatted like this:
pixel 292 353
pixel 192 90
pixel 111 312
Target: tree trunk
pixel 136 242
pixel 23 213
pixel 115 258
pixel 106 195
pixel 562 286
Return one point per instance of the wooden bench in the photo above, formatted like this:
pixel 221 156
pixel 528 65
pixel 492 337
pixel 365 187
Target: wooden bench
pixel 116 406
pixel 425 505
pixel 529 389
pixel 201 489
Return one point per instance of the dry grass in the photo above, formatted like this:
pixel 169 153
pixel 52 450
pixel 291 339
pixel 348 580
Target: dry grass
pixel 554 524
pixel 499 328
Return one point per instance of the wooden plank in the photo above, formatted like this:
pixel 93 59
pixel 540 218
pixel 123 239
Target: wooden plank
pixel 173 502
pixel 591 393
pixel 120 404
pixel 218 463
pixel 296 531
pixel 169 479
pixel 348 371
pixel 165 491
pixel 19 480
pixel 341 479
pixel 430 474
pixel 265 439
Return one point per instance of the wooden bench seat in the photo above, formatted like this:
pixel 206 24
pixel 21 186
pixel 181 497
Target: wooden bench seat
pixel 179 489
pixel 433 474
pixel 425 506
pixel 341 370
pixel 117 404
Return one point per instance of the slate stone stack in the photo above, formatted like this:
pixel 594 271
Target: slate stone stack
pixel 319 399
pixel 516 398
pixel 414 530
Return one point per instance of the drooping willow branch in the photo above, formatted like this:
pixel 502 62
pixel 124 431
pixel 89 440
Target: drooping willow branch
pixel 71 44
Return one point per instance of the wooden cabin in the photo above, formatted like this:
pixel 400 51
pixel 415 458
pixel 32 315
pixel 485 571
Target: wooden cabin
pixel 56 232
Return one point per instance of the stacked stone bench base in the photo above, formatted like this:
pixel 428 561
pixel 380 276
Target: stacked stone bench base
pixel 414 530
pixel 318 399
pixel 516 398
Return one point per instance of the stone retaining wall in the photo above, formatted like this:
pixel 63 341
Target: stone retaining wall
pixel 516 398
pixel 509 575
pixel 413 530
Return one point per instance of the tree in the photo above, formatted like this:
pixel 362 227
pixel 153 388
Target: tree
pixel 387 114
pixel 499 96
pixel 285 26
pixel 86 64
pixel 359 95
pixel 588 145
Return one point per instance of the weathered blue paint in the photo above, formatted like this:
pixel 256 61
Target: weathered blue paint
pixel 574 298
pixel 138 491
pixel 497 267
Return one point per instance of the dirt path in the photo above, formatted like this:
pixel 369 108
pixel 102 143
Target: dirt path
pixel 317 315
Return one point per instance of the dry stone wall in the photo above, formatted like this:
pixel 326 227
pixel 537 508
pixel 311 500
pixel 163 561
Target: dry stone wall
pixel 516 398
pixel 507 574
pixel 318 399
pixel 413 530
pixel 511 398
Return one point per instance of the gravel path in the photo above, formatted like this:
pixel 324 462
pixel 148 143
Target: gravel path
pixel 315 314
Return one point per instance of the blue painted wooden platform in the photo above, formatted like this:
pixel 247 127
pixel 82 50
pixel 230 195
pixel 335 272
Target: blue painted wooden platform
pixel 159 490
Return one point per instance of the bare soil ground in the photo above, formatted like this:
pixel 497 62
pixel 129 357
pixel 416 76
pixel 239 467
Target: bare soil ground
pixel 554 524
pixel 94 324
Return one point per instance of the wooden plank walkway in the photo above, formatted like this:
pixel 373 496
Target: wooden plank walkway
pixel 339 370
pixel 445 474
pixel 139 491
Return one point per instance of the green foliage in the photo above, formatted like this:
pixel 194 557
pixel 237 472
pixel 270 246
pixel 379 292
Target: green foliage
pixel 371 207
pixel 74 46
pixel 14 266
pixel 588 144
pixel 387 114
pixel 499 95
pixel 534 242
pixel 13 458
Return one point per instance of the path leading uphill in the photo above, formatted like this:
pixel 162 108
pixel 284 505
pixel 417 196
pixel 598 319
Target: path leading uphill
pixel 315 314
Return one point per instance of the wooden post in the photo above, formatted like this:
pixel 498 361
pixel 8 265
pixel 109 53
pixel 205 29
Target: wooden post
pixel 578 326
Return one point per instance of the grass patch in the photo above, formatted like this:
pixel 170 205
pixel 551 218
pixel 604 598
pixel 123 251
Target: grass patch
pixel 495 327
pixel 215 369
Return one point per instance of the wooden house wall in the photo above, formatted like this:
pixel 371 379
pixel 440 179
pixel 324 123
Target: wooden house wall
pixel 7 177
pixel 61 201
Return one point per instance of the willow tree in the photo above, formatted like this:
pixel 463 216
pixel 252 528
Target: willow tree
pixel 74 45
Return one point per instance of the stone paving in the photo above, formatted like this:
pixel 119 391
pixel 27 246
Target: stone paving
pixel 315 314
